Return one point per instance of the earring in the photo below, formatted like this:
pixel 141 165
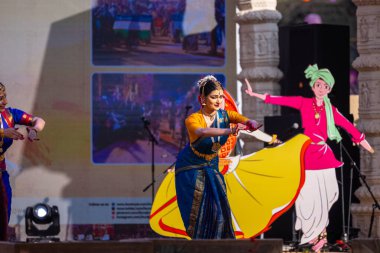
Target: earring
pixel 203 103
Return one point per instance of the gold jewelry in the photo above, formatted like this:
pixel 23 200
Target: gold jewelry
pixel 207 157
pixel 209 119
pixel 210 115
pixel 202 83
pixel 317 110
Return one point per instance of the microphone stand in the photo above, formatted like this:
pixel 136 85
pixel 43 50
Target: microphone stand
pixel 161 175
pixel 153 141
pixel 345 233
pixel 375 204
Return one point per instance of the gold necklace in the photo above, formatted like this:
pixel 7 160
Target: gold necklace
pixel 208 120
pixel 211 116
pixel 317 109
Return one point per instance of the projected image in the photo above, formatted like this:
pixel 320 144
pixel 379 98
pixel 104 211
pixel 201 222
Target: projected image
pixel 158 32
pixel 125 105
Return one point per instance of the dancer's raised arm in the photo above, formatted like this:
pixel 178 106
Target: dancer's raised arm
pixel 253 94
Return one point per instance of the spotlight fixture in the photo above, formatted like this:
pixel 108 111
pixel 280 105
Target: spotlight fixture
pixel 42 222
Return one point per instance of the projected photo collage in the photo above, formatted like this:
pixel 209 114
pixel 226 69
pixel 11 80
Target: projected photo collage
pixel 125 105
pixel 129 108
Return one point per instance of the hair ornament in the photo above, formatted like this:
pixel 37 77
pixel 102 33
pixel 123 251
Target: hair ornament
pixel 202 82
pixel 205 80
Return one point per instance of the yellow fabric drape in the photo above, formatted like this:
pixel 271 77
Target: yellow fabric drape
pixel 260 187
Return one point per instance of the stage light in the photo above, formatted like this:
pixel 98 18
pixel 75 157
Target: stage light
pixel 42 222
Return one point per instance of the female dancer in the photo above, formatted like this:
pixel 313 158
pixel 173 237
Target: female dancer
pixel 319 118
pixel 9 118
pixel 200 187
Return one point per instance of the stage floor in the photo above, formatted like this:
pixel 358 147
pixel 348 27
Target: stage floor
pixel 172 246
pixel 147 246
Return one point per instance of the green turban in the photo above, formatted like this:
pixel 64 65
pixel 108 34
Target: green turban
pixel 313 73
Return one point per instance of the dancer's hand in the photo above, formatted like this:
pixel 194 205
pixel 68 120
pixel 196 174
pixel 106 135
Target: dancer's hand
pixel 252 125
pixel 239 126
pixel 253 94
pixel 13 133
pixel 32 134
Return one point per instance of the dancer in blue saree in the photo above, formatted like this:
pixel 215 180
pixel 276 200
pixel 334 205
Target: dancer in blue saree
pixel 200 187
pixel 9 117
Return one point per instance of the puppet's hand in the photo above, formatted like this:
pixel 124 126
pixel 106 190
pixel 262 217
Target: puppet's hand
pixel 250 92
pixel 364 143
pixel 274 140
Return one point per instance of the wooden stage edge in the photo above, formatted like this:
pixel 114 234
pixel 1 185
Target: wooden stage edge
pixel 169 246
pixel 147 246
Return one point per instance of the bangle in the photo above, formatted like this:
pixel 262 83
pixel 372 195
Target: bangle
pixel 1 133
pixel 274 138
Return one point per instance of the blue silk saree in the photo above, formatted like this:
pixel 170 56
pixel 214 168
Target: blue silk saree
pixel 200 187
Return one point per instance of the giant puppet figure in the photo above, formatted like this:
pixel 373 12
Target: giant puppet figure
pixel 213 195
pixel 319 118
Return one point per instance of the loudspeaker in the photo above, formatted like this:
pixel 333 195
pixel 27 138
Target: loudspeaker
pixel 325 45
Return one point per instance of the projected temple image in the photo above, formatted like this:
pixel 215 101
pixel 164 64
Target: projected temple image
pixel 125 105
pixel 158 33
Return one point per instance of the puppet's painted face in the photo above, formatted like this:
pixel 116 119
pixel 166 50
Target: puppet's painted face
pixel 214 100
pixel 321 89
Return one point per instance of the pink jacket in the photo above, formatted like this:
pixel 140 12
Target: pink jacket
pixel 319 155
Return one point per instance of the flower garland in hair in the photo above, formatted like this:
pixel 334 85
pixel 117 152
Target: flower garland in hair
pixel 203 81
